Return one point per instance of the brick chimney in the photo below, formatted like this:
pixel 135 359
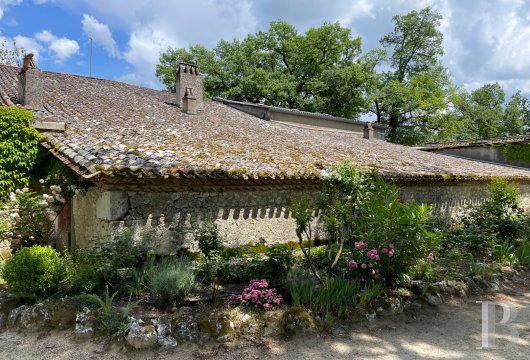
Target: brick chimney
pixel 30 89
pixel 368 131
pixel 189 102
pixel 188 76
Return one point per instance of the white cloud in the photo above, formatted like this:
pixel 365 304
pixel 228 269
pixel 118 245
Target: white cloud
pixel 29 45
pixel 5 3
pixel 152 25
pixel 62 48
pixel 100 34
pixel 143 51
pixel 45 36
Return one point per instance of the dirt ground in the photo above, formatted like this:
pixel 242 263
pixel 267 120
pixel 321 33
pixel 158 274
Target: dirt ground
pixel 452 331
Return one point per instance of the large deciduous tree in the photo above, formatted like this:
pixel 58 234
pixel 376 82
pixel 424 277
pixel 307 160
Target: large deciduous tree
pixel 483 113
pixel 320 70
pixel 413 93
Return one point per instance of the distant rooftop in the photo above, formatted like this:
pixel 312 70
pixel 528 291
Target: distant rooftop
pixel 519 139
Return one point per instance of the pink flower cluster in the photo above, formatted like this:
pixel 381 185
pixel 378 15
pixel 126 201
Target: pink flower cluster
pixel 360 245
pixel 388 251
pixel 257 294
pixel 369 260
pixel 372 254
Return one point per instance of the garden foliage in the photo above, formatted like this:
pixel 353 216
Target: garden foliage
pixel 19 148
pixel 171 280
pixel 34 272
pixel 384 235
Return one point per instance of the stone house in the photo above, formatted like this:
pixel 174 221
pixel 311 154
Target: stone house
pixel 161 164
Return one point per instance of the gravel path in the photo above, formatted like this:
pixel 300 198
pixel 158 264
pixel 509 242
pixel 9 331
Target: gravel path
pixel 451 332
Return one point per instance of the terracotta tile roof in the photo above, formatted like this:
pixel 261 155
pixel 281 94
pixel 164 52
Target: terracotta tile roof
pixel 121 129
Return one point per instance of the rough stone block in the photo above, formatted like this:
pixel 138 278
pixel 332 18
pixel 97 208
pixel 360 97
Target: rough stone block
pixel 112 205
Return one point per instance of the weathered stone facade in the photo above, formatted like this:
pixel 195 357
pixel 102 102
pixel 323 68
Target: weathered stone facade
pixel 167 220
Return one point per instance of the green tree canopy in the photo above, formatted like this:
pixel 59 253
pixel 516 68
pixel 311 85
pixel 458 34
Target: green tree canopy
pixel 483 113
pixel 320 70
pixel 413 94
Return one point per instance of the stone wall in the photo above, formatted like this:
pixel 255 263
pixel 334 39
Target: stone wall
pixel 452 201
pixel 167 221
pixel 494 154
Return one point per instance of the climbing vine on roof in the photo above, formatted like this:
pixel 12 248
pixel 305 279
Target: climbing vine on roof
pixel 19 148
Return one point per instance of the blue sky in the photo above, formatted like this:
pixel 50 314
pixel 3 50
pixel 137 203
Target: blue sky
pixel 485 41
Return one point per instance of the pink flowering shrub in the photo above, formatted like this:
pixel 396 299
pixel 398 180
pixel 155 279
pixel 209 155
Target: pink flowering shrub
pixel 368 264
pixel 391 236
pixel 257 294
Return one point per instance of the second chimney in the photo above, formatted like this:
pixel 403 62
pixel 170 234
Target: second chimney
pixel 368 131
pixel 30 89
pixel 188 76
pixel 189 102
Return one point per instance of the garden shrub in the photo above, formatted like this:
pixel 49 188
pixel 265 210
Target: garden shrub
pixel 336 296
pixel 111 319
pixel 344 187
pixel 393 235
pixel 497 221
pixel 371 291
pixel 301 287
pixel 112 261
pixel 361 207
pixel 257 294
pixel 523 253
pixel 19 148
pixel 172 280
pixel 209 239
pixel 272 264
pixel 34 272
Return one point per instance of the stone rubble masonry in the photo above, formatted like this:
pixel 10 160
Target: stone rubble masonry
pixel 188 76
pixel 30 89
pixel 167 221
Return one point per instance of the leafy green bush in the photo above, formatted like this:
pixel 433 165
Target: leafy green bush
pixel 209 239
pixel 497 221
pixel 336 296
pixel 272 264
pixel 19 148
pixel 34 272
pixel 301 287
pixel 29 218
pixel 172 280
pixel 523 253
pixel 505 254
pixel 109 263
pixel 359 207
pixel 393 235
pixel 213 270
pixel 111 319
pixel 371 291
